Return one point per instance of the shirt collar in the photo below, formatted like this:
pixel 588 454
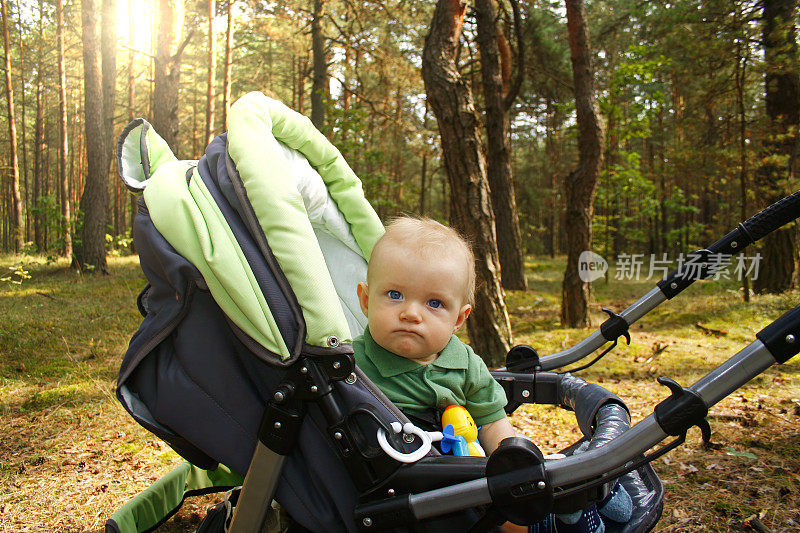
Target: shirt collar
pixel 453 356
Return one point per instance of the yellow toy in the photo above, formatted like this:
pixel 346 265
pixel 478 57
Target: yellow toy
pixel 460 434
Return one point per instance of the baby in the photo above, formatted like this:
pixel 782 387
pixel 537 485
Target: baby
pixel 419 291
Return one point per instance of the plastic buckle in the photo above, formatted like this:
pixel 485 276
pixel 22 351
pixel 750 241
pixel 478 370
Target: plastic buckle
pixel 518 481
pixel 614 327
pixel 523 358
pixel 681 411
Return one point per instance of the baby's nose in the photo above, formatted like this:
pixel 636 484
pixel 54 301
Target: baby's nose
pixel 410 313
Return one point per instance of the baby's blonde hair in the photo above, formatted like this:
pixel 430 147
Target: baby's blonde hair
pixel 430 239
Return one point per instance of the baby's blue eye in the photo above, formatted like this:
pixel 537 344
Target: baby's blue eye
pixel 436 304
pixel 395 295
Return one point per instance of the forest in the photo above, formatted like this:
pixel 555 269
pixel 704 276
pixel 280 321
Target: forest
pixel 544 130
pixel 619 126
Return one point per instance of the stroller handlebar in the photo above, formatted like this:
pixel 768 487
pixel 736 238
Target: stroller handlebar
pixel 773 217
pixel 775 343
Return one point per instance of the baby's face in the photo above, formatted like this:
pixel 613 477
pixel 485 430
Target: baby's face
pixel 414 304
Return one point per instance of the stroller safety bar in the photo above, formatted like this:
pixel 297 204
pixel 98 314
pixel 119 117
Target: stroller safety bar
pixel 699 265
pixel 549 480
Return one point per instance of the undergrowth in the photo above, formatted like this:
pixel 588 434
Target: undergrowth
pixel 70 455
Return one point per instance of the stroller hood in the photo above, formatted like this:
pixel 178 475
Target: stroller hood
pixel 302 205
pixel 252 255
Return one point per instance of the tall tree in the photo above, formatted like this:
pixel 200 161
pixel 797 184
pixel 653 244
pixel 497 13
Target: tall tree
pixel 91 254
pixel 211 71
pixel 23 122
pixel 779 162
pixel 501 181
pixel 38 150
pixel 319 86
pixel 108 46
pixel 167 69
pixel 581 184
pixel 109 59
pixel 131 101
pixel 226 91
pixel 470 203
pixel 17 228
pixel 63 151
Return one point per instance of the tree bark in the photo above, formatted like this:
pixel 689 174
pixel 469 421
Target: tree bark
pixel 581 184
pixel 108 47
pixel 167 68
pixel 319 89
pixel 501 179
pixel 740 80
pixel 131 110
pixel 17 229
pixel 26 203
pixel 470 200
pixel 226 91
pixel 38 151
pixel 778 269
pixel 108 50
pixel 63 152
pixel 212 72
pixel 91 255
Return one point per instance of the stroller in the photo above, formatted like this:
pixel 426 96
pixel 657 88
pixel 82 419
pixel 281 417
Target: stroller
pixel 243 362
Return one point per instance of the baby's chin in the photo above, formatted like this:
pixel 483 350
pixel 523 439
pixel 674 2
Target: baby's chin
pixel 408 349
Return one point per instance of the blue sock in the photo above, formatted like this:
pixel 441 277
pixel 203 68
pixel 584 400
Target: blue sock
pixel 584 521
pixel 617 506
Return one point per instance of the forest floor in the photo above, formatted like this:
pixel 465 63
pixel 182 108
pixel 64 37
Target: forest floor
pixel 70 455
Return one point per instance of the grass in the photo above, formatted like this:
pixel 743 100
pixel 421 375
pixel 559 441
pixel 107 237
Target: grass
pixel 70 455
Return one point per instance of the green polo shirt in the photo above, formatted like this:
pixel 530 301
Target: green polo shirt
pixel 457 376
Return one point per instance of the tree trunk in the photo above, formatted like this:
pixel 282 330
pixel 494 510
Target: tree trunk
pixel 131 110
pixel 109 55
pixel 319 88
pixel 62 127
pixel 26 203
pixel 740 80
pixel 782 97
pixel 131 78
pixel 167 68
pixel 501 180
pixel 91 254
pixel 212 72
pixel 470 201
pixel 38 134
pixel 108 48
pixel 17 228
pixel 226 91
pixel 581 184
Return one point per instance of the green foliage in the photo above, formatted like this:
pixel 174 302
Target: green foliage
pixel 16 274
pixel 47 208
pixel 117 245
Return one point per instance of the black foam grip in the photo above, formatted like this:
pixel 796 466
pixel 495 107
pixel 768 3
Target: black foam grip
pixel 585 399
pixel 773 217
pixel 611 421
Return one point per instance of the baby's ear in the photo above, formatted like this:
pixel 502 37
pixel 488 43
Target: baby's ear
pixel 362 290
pixel 462 316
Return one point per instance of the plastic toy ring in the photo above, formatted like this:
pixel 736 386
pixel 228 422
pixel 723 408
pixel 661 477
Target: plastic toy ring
pixel 409 429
